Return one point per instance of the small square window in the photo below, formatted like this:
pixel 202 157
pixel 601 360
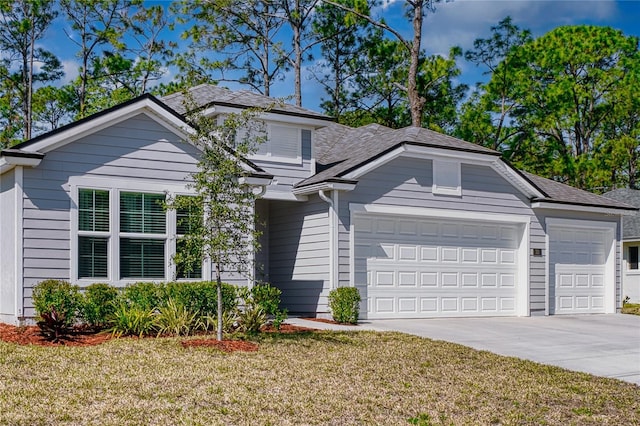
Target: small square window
pixel 633 257
pixel 446 178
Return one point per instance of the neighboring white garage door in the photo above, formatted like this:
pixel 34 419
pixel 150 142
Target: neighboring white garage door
pixel 420 268
pixel 577 269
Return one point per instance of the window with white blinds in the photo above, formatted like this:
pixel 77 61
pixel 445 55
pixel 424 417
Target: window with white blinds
pixel 284 141
pixel 93 233
pixel 132 236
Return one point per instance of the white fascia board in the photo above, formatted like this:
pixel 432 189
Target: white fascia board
pixel 312 123
pixel 580 208
pixel 324 186
pixel 437 213
pixel 515 179
pixel 146 106
pixel 429 152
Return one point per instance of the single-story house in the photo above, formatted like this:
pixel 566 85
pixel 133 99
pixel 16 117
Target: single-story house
pixel 630 243
pixel 423 224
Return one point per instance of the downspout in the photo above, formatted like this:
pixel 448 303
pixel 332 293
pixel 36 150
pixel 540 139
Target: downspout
pixel 333 235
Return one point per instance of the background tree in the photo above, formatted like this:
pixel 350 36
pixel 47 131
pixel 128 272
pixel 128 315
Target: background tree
pixel 226 236
pixel 95 25
pixel 298 14
pixel 244 32
pixel 415 11
pixel 341 45
pixel 22 25
pixel 565 85
pixel 484 118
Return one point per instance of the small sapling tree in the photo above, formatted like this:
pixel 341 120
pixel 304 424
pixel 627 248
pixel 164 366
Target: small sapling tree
pixel 220 219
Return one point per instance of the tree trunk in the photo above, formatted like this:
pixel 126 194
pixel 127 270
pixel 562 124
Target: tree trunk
pixel 416 102
pixel 297 64
pixel 219 311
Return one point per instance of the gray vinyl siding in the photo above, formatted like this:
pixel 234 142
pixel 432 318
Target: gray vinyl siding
pixel 299 253
pixel 136 150
pixel 7 248
pixel 408 182
pixel 544 214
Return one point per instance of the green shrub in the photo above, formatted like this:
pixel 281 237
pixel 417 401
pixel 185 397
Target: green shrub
pixel 61 296
pixel 175 320
pixel 344 303
pixel 98 304
pixel 251 318
pixel 268 298
pixel 131 320
pixel 201 297
pixel 144 295
pixel 230 322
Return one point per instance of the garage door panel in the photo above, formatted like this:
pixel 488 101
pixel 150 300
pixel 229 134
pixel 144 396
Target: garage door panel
pixel 431 267
pixel 577 265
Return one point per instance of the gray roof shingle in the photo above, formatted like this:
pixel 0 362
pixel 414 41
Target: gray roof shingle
pixel 561 193
pixel 631 223
pixel 207 94
pixel 341 149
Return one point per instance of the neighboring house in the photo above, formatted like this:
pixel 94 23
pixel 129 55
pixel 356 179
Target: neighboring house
pixel 423 224
pixel 630 243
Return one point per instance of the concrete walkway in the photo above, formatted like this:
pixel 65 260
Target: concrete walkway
pixel 603 345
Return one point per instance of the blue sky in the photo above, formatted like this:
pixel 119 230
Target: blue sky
pixel 458 22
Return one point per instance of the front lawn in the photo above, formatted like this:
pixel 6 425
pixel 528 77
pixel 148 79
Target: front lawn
pixel 631 308
pixel 312 378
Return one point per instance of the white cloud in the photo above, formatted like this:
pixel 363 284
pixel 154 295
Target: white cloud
pixel 70 68
pixel 462 21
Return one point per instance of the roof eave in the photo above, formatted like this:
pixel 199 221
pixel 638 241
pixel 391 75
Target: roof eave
pixel 328 184
pixel 545 203
pixel 10 158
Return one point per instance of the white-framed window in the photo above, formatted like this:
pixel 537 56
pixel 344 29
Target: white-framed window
pixel 93 233
pixel 125 235
pixel 283 144
pixel 447 178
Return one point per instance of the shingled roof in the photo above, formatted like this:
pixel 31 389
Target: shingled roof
pixel 207 94
pixel 341 149
pixel 630 223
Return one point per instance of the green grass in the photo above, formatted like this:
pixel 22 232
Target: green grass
pixel 631 308
pixel 316 378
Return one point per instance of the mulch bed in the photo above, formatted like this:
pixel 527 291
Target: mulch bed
pixel 30 335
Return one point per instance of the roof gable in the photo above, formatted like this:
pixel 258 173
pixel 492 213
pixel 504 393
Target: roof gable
pixel 146 104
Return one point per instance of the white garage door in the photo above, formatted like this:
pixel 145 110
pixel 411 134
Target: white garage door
pixel 420 268
pixel 577 258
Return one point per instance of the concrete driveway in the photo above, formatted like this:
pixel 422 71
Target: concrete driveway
pixel 603 345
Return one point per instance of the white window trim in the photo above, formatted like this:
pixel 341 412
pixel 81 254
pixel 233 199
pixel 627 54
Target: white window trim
pixel 438 165
pixel 115 187
pixel 627 268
